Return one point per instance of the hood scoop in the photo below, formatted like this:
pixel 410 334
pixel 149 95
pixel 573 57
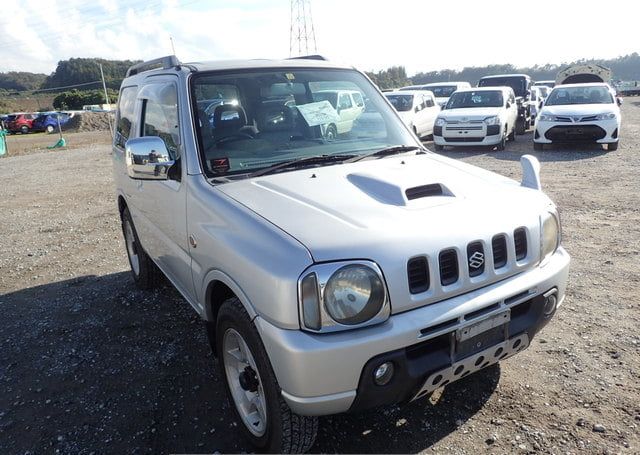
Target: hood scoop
pixel 391 193
pixel 433 189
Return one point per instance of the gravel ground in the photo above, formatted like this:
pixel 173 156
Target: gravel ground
pixel 89 364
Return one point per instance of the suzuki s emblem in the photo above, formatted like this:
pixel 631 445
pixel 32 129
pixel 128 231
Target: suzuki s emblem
pixel 476 260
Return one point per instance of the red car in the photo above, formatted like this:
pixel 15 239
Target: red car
pixel 22 123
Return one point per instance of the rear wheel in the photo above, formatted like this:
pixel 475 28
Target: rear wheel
pixel 612 146
pixel 50 129
pixel 24 129
pixel 537 146
pixel 332 133
pixel 146 273
pixel 252 387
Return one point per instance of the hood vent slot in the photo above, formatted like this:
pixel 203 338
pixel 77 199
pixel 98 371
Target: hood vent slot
pixel 417 192
pixel 448 260
pixel 520 239
pixel 499 247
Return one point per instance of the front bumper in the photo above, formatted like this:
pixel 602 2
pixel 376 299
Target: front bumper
pixel 463 134
pixel 600 131
pixel 328 373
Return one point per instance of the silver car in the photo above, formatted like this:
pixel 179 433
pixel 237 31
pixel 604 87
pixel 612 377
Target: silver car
pixel 334 272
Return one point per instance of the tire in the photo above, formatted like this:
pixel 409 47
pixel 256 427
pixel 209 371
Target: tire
pixel 146 273
pixel 512 134
pixel 612 146
pixel 502 144
pixel 274 428
pixel 438 148
pixel 49 129
pixel 24 129
pixel 538 147
pixel 332 133
pixel 520 127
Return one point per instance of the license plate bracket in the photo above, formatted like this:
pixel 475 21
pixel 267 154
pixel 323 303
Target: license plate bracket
pixel 482 334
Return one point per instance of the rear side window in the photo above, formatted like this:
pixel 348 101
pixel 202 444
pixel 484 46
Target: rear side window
pixel 126 111
pixel 430 102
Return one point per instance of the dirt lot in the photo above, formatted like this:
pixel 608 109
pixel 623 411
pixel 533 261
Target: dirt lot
pixel 88 364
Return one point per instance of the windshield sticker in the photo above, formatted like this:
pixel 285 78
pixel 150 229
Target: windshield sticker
pixel 290 76
pixel 219 165
pixel 318 113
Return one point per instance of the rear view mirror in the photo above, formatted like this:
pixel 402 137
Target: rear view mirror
pixel 417 109
pixel 147 158
pixel 508 104
pixel 540 104
pixel 619 101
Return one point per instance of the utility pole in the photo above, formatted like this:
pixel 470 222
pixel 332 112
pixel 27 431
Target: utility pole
pixel 106 97
pixel 302 35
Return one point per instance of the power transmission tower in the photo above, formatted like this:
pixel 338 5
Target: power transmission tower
pixel 302 35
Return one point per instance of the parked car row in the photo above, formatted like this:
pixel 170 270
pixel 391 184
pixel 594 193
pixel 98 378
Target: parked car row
pixel 32 122
pixel 585 109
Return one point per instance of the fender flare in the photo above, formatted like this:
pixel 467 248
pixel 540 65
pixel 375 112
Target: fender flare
pixel 218 275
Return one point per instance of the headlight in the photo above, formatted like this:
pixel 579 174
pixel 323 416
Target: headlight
pixel 606 116
pixel 493 120
pixel 341 296
pixel 547 118
pixel 440 122
pixel 550 234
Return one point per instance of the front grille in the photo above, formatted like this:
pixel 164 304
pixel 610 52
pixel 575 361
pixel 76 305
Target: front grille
pixel 434 189
pixel 575 133
pixel 499 248
pixel 448 261
pixel 560 118
pixel 590 118
pixel 463 139
pixel 520 240
pixel 418 273
pixel 464 128
pixel 475 258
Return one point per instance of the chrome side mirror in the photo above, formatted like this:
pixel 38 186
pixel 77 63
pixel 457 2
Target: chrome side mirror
pixel 147 158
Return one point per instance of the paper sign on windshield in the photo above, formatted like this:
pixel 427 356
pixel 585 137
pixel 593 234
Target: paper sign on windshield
pixel 318 113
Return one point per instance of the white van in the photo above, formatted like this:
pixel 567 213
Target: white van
pixel 441 90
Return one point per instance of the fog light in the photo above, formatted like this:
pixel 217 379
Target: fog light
pixel 383 373
pixel 550 302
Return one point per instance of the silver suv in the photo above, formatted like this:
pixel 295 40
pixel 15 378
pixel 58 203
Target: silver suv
pixel 334 272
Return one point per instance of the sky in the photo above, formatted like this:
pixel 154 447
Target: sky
pixel 369 34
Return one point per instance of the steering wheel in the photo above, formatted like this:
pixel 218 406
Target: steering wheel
pixel 233 137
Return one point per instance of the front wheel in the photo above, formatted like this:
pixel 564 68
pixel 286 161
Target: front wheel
pixel 24 129
pixel 438 148
pixel 332 133
pixel 50 129
pixel 502 144
pixel 252 388
pixel 512 135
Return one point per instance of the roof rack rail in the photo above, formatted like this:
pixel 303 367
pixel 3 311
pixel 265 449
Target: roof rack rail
pixel 308 57
pixel 167 62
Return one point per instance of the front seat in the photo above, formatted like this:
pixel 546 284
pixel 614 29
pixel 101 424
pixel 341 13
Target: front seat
pixel 230 120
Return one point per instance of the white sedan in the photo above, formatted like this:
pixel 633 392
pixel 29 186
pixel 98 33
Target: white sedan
pixel 579 113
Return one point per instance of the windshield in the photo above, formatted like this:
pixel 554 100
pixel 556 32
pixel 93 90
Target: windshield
pixel 402 103
pixel 579 95
pixel 517 83
pixel 252 120
pixel 442 91
pixel 480 98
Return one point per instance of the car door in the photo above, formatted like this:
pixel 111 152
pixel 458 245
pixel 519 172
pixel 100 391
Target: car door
pixel 348 112
pixel 159 206
pixel 432 110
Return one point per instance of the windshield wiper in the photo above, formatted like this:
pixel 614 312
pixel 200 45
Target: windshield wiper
pixel 301 162
pixel 395 150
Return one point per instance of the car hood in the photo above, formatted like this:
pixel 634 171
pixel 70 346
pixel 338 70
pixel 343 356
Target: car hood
pixel 579 109
pixel 361 210
pixel 471 113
